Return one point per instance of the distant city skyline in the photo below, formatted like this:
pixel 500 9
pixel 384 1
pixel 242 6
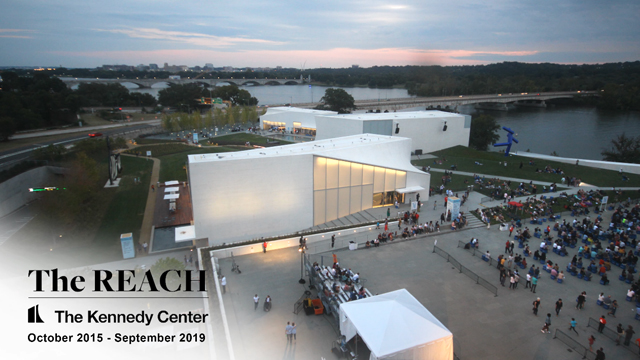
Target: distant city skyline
pixel 333 33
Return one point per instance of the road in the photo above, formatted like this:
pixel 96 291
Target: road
pixel 16 155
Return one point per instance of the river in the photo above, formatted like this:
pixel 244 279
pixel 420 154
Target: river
pixel 570 131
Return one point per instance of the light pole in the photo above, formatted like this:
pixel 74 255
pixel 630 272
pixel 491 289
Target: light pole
pixel 301 249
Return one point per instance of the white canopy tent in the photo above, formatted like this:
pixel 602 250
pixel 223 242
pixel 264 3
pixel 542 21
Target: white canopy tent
pixel 396 326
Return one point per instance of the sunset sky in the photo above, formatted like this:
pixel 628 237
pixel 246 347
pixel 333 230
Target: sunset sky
pixel 80 33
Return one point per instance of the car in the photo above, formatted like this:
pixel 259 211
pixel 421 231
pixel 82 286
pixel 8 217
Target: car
pixel 95 134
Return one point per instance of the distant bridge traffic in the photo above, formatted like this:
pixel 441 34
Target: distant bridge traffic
pixel 148 83
pixel 451 102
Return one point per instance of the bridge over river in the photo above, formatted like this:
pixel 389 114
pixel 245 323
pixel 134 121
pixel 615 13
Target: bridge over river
pixel 148 83
pixel 451 102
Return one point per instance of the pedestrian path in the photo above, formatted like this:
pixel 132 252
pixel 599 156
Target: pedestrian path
pixel 147 220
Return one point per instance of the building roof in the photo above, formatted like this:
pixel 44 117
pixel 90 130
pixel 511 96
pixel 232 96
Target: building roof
pixel 299 110
pixel 435 114
pixel 355 148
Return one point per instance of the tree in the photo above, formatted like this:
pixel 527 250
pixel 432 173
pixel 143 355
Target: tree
pixel 338 100
pixel 7 128
pixel 484 132
pixel 623 149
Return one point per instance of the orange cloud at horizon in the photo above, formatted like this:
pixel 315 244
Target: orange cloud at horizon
pixel 338 57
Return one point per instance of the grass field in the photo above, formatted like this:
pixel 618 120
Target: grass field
pixel 94 237
pixel 241 138
pixel 493 163
pixel 162 149
pixel 147 141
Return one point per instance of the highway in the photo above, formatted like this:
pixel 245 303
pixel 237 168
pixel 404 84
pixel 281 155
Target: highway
pixel 12 156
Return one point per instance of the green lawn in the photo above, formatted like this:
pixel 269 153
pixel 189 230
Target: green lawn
pixel 493 163
pixel 241 138
pixel 125 211
pixel 161 149
pixel 172 166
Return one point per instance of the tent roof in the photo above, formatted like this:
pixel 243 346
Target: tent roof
pixel 392 322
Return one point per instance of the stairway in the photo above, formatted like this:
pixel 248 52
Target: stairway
pixel 355 219
pixel 473 222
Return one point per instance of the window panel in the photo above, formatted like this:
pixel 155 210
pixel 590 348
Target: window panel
pixel 390 180
pixel 401 180
pixel 319 201
pixel 320 173
pixel 356 199
pixel 356 174
pixel 367 197
pixel 332 173
pixel 345 174
pixel 332 205
pixel 378 180
pixel 367 175
pixel 343 202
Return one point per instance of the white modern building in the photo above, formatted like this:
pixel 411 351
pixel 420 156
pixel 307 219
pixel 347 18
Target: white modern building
pixel 290 119
pixel 429 131
pixel 280 190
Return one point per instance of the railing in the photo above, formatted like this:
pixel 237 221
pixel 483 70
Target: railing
pixel 574 345
pixel 608 332
pixel 475 277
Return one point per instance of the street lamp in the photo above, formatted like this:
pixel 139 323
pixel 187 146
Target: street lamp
pixel 301 249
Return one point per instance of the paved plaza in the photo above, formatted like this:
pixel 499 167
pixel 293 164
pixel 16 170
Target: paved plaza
pixel 484 326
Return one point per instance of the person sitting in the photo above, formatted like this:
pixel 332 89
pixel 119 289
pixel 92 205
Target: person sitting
pixel 604 279
pixel 556 267
pixel 353 296
pixel 608 300
pixel 587 276
pixel 536 255
pixel 543 257
pixel 367 245
pixel 554 272
pixel 561 275
pixel 362 293
pixel 524 262
pixel 601 297
pixel 630 276
pixel 582 272
pixel 527 251
pixel 631 293
pixel 579 263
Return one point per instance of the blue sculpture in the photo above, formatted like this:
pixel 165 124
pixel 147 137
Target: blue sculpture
pixel 510 140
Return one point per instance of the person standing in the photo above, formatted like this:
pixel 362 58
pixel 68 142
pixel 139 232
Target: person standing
pixel 153 188
pixel 581 299
pixel 547 324
pixel 620 333
pixel 435 203
pixel 503 276
pixel 528 283
pixel 600 354
pixel 558 307
pixel 602 323
pixel 186 262
pixel 628 335
pixel 293 330
pixel 512 282
pixel 534 284
pixel 264 247
pixel 536 305
pixel 592 339
pixel 510 261
pixel 506 247
pixel 511 247
pixel 223 282
pixel 614 307
pixel 256 300
pixel 510 230
pixel 573 326
pixel 333 239
pixel 388 212
pixel 287 331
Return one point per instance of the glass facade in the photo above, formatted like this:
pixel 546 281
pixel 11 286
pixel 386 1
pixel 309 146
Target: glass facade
pixel 342 188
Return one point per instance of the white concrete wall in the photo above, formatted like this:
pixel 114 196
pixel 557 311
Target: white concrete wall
pixel 427 135
pixel 425 132
pixel 608 165
pixel 331 128
pixel 418 179
pixel 246 199
pixel 284 115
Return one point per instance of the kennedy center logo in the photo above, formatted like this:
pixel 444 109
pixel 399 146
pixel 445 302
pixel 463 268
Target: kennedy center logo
pixel 34 315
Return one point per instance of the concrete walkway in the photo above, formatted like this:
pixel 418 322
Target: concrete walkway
pixel 147 220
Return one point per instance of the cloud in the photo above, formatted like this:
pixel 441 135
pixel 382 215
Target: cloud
pixel 337 57
pixel 15 33
pixel 192 38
